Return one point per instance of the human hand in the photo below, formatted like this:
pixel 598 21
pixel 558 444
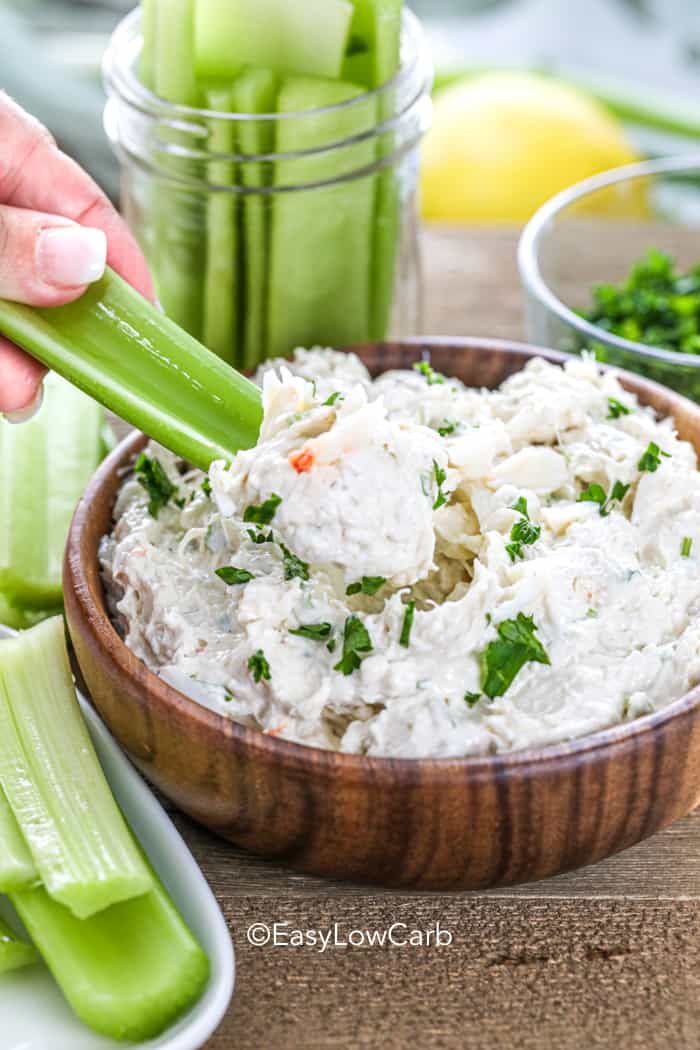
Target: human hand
pixel 57 232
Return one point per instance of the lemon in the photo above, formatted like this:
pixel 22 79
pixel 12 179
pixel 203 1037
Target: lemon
pixel 503 143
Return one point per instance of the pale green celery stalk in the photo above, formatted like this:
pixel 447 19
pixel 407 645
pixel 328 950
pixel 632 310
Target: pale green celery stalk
pixel 83 851
pixel 376 38
pixel 321 237
pixel 148 32
pixel 130 971
pixel 44 467
pixel 17 869
pixel 179 215
pixel 14 615
pixel 14 953
pixel 221 284
pixel 286 36
pixel 255 91
pixel 119 349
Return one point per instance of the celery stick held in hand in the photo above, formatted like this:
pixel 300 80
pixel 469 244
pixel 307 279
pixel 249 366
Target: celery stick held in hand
pixel 57 231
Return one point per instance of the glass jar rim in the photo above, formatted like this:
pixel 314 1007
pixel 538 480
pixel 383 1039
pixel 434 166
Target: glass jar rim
pixel 531 239
pixel 124 47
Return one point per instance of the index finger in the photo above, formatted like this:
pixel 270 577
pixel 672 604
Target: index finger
pixel 35 174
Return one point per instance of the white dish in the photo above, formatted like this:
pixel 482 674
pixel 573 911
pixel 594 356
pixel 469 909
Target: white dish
pixel 34 1014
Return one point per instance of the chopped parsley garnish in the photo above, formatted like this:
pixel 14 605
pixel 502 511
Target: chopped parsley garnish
pixel 259 667
pixel 263 513
pixel 656 304
pixel 472 698
pixel 618 493
pixel 260 537
pixel 515 646
pixel 686 546
pixel 448 427
pixel 179 502
pixel 356 640
pixel 592 614
pixel 616 408
pixel 317 632
pixel 367 585
pixel 335 396
pixel 206 487
pixel 228 697
pixel 523 533
pixel 293 566
pixel 440 478
pixel 651 457
pixel 595 493
pixel 407 625
pixel 434 378
pixel 331 645
pixel 155 481
pixel 231 575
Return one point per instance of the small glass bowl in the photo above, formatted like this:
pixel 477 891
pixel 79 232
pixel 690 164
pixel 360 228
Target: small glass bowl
pixel 593 233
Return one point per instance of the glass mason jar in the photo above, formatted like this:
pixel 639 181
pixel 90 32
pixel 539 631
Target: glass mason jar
pixel 270 231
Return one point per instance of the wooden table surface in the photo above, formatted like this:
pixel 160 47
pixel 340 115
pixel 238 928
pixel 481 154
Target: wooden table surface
pixel 606 957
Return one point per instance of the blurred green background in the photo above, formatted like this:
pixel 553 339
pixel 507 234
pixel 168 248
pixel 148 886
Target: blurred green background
pixel 50 53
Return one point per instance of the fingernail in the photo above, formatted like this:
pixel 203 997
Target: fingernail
pixel 23 415
pixel 68 256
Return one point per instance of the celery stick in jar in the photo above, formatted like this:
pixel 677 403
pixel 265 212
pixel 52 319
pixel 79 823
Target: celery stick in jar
pixel 285 36
pixel 83 851
pixel 178 212
pixel 320 269
pixel 374 58
pixel 221 279
pixel 255 92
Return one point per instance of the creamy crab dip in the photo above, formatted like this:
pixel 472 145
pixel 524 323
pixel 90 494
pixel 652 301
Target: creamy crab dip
pixel 409 567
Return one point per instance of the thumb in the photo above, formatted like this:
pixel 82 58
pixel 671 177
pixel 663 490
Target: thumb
pixel 45 260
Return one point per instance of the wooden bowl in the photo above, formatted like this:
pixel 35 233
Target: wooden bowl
pixel 418 823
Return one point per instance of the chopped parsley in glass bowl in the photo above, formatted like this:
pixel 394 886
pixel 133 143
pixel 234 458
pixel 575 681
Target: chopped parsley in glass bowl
pixel 612 265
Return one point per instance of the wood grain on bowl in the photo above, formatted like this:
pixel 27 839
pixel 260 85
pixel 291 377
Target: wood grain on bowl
pixel 414 823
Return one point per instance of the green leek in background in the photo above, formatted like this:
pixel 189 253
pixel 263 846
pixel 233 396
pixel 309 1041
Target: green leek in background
pixel 14 953
pixel 78 840
pixel 118 348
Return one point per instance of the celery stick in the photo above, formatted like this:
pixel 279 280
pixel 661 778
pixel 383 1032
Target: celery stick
pixel 286 36
pixel 376 34
pixel 128 972
pixel 178 213
pixel 14 953
pixel 17 868
pixel 321 237
pixel 149 30
pixel 255 91
pixel 119 349
pixel 44 467
pixel 80 844
pixel 220 330
pixel 14 615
